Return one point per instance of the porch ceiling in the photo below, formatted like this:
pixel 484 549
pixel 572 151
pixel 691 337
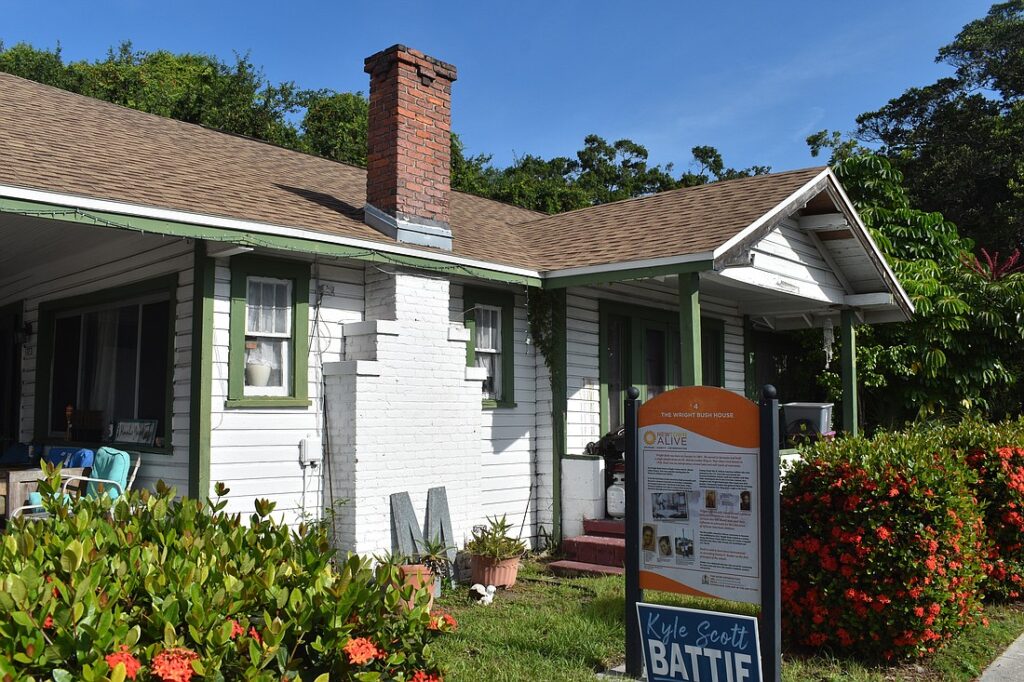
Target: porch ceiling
pixel 33 246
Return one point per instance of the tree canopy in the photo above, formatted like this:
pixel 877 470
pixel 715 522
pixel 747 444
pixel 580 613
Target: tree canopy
pixel 960 141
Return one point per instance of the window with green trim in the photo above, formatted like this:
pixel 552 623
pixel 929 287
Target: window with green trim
pixel 490 317
pixel 640 347
pixel 104 358
pixel 268 361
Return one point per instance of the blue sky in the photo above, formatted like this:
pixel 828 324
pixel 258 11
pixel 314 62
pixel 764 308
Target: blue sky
pixel 751 78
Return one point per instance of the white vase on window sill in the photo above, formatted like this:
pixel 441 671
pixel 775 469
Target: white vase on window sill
pixel 257 374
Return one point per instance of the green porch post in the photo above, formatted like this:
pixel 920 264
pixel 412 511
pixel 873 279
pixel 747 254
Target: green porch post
pixel 689 328
pixel 848 361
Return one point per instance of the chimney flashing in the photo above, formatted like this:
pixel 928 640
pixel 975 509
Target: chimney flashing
pixel 408 229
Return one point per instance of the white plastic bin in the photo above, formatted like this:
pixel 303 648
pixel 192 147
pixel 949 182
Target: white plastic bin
pixel 818 414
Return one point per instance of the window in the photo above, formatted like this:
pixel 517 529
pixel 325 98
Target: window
pixel 489 315
pixel 268 335
pixel 104 358
pixel 640 346
pixel 269 331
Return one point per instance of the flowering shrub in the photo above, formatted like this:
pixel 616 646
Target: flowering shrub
pixel 996 453
pixel 883 547
pixel 176 590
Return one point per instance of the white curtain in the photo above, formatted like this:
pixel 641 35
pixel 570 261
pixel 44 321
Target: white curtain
pixel 104 380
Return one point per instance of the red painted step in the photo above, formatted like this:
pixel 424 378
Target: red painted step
pixel 595 550
pixel 567 567
pixel 608 528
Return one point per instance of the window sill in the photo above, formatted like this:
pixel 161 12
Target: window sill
pixel 254 401
pixel 127 447
pixel 496 404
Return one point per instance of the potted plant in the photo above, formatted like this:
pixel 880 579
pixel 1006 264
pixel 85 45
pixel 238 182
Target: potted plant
pixel 495 555
pixel 422 570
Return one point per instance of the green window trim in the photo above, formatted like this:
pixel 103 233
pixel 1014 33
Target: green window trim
pixel 506 301
pixel 48 311
pixel 243 267
pixel 636 316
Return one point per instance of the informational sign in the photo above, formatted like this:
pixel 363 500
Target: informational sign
pixel 686 644
pixel 699 494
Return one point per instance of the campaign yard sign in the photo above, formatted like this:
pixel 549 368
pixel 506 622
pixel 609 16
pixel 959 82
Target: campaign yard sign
pixel 692 645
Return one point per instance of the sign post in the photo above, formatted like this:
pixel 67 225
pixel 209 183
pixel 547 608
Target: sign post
pixel 771 550
pixel 634 595
pixel 702 518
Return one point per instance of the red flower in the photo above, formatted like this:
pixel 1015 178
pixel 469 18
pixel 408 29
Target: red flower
pixel 361 651
pixel 423 676
pixel 48 623
pixel 255 635
pixel 174 665
pixel 883 533
pixel 236 629
pixel 124 657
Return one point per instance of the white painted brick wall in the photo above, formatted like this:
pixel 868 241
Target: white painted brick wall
pixel 402 415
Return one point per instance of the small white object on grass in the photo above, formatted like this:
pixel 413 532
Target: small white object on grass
pixel 482 595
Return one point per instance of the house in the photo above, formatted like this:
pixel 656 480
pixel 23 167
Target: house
pixel 311 332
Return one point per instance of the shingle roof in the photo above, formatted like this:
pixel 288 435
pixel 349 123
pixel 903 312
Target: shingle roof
pixel 58 141
pixel 681 221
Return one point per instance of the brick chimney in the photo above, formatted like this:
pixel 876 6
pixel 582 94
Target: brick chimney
pixel 408 174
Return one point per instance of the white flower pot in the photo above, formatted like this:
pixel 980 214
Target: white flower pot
pixel 257 374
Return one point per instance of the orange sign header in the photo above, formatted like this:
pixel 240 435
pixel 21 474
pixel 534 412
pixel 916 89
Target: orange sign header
pixel 706 410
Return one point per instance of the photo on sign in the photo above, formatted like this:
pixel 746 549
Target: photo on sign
pixel 647 539
pixel 745 501
pixel 710 499
pixel 665 546
pixel 669 506
pixel 684 545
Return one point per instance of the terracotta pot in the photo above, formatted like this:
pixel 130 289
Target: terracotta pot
pixel 500 573
pixel 420 577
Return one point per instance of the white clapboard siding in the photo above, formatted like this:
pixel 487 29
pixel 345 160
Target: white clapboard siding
pixel 118 259
pixel 789 252
pixel 255 451
pixel 509 468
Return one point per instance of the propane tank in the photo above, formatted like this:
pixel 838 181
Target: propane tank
pixel 615 495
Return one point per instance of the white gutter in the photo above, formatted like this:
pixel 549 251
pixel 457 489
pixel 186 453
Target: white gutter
pixel 630 265
pixel 202 220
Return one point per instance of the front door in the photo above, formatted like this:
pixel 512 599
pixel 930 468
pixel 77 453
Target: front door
pixel 10 374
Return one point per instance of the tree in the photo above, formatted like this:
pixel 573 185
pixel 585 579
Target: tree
pixel 712 168
pixel 965 346
pixel 960 140
pixel 335 125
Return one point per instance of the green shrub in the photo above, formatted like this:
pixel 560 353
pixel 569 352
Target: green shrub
pixel 883 547
pixel 996 453
pixel 161 589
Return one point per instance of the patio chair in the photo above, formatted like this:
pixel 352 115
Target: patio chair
pixel 112 474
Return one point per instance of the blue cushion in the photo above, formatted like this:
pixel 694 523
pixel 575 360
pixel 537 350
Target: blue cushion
pixel 112 465
pixel 59 454
pixel 80 459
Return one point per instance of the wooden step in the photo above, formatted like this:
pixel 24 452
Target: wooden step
pixel 595 550
pixel 608 528
pixel 567 567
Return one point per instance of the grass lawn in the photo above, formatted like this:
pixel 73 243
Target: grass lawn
pixel 547 628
